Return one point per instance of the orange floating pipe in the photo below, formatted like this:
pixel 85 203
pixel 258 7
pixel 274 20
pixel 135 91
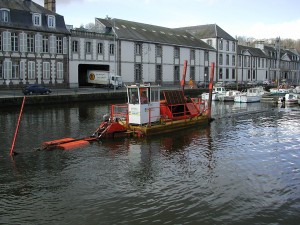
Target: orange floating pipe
pixel 17 128
pixel 73 145
pixel 54 142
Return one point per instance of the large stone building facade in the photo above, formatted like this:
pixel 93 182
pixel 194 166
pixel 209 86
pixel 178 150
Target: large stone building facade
pixel 33 45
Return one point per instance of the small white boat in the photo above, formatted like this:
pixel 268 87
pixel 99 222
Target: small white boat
pixel 296 90
pixel 229 96
pixel 289 99
pixel 252 95
pixel 280 90
pixel 217 91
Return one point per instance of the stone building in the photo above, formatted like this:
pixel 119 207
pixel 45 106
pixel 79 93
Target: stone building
pixel 33 45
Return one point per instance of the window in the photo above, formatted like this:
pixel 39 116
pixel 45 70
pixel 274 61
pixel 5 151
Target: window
pixel 45 44
pixel 4 15
pixel 233 60
pixel 192 54
pixel 227 60
pixel 233 74
pixel 253 74
pixel 227 45
pixel 36 19
pixel 192 72
pixel 221 44
pixel 59 46
pixel 14 42
pixel 263 63
pixel 176 73
pixel 31 70
pixel 88 47
pixel 51 21
pixel 220 73
pixel 158 77
pixel 75 46
pixel 46 70
pixel 111 49
pixel 60 70
pixel 240 60
pixel 227 73
pixel 158 50
pixel 100 48
pixel 138 73
pixel 15 70
pixel 206 56
pixel 0 41
pixel 1 69
pixel 209 42
pixel 233 46
pixel 176 52
pixel 138 49
pixel 30 43
pixel 220 59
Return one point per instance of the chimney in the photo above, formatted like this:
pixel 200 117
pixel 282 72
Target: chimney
pixel 50 5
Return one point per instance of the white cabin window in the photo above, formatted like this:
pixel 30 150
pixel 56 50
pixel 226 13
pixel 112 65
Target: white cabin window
pixel 51 21
pixel 37 19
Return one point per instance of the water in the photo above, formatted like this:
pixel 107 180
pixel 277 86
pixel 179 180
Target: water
pixel 242 169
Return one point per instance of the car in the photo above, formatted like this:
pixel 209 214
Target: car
pixel 201 84
pixel 266 82
pixel 35 89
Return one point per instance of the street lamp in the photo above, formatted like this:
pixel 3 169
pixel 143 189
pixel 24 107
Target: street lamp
pixel 205 80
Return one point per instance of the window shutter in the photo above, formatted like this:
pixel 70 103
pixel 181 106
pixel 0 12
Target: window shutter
pixel 52 44
pixel 38 43
pixel 23 42
pixel 65 45
pixel 7 41
pixel 22 69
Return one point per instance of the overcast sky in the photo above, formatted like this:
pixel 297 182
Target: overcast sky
pixel 255 18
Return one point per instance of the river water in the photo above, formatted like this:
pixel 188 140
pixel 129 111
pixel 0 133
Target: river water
pixel 242 169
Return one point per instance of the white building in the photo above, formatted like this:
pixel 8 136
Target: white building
pixel 144 53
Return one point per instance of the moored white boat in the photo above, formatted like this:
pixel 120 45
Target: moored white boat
pixel 229 95
pixel 289 99
pixel 217 91
pixel 252 95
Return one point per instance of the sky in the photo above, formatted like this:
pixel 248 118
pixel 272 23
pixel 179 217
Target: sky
pixel 257 19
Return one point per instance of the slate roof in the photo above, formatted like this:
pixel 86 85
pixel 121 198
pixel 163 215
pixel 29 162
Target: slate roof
pixel 256 52
pixel 134 31
pixel 21 17
pixel 208 31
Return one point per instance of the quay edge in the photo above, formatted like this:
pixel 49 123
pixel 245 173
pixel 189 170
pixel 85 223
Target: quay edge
pixel 56 98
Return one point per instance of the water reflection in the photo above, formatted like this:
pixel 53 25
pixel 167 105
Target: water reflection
pixel 211 175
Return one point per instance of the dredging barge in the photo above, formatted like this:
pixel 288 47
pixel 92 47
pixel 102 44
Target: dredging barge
pixel 146 114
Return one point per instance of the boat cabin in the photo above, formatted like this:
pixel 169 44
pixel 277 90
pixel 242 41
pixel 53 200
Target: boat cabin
pixel 143 103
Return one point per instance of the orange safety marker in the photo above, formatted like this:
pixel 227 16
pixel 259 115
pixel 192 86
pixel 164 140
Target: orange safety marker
pixel 17 128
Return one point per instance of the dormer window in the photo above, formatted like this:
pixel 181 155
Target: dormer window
pixel 37 19
pixel 4 13
pixel 51 21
